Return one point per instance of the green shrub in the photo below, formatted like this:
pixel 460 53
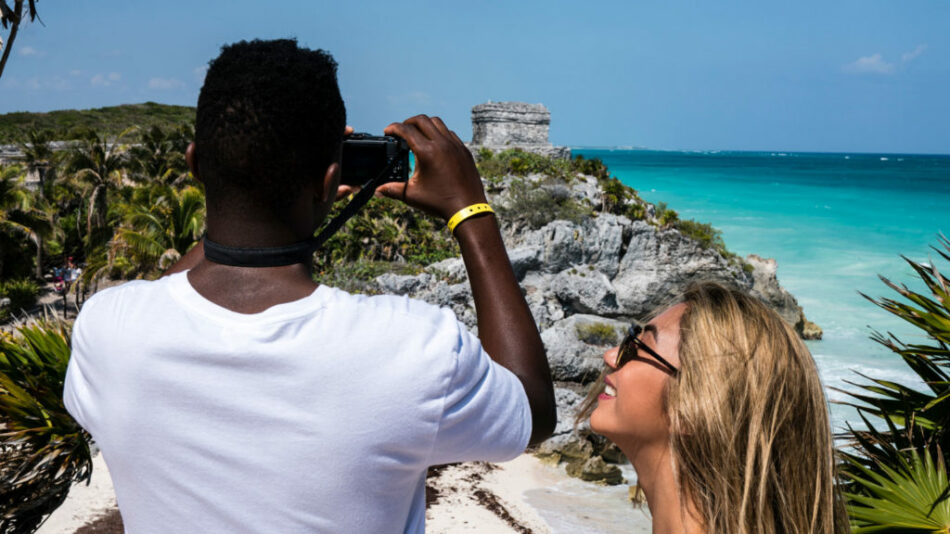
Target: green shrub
pixel 665 216
pixel 389 230
pixel 621 199
pixel 636 212
pixel 591 167
pixel 385 236
pixel 538 207
pixel 596 333
pixel 517 162
pixel 22 293
pixel 703 233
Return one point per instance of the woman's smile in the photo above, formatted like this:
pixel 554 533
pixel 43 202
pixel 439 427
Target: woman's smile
pixel 609 391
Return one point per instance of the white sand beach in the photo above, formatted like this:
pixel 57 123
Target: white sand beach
pixel 523 495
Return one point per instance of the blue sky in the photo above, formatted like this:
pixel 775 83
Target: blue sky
pixel 862 76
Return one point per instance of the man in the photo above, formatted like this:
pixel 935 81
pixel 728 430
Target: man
pixel 239 399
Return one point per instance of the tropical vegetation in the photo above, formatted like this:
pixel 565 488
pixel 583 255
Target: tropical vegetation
pixel 895 468
pixel 108 122
pixel 43 451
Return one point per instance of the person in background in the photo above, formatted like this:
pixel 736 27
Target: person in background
pixel 718 405
pixel 253 400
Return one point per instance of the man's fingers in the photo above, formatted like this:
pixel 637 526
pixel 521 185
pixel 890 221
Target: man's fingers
pixel 459 141
pixel 425 125
pixel 410 133
pixel 348 130
pixel 344 191
pixel 441 127
pixel 392 190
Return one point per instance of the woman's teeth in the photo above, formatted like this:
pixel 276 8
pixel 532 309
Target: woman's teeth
pixel 609 390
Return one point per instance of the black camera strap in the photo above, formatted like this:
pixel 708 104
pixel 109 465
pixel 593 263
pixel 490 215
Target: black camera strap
pixel 301 252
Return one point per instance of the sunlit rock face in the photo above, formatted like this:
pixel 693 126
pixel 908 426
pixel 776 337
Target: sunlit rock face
pixel 503 125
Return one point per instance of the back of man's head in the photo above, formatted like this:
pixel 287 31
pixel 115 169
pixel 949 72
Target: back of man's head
pixel 270 119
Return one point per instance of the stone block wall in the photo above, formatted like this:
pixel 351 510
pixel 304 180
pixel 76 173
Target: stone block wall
pixel 503 125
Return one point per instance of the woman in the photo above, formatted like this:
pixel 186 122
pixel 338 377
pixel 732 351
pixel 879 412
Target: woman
pixel 718 405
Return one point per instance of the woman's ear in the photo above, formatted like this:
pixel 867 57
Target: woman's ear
pixel 191 160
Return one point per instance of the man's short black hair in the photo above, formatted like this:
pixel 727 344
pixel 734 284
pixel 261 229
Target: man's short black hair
pixel 270 118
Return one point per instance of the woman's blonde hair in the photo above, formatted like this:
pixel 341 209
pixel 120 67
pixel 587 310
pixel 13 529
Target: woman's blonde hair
pixel 751 440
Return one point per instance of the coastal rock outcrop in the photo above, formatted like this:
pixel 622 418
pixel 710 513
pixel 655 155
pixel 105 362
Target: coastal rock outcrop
pixel 766 287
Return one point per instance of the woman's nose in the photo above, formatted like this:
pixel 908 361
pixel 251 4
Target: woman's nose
pixel 610 357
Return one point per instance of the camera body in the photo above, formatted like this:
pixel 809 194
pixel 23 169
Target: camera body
pixel 366 157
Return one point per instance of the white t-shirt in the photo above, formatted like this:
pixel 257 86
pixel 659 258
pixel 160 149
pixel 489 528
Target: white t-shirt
pixel 318 415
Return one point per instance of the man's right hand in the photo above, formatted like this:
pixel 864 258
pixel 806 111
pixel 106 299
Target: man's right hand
pixel 445 179
pixel 444 182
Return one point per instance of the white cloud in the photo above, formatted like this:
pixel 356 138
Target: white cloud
pixel 913 54
pixel 105 80
pixel 165 84
pixel 30 51
pixel 873 64
pixel 53 83
pixel 75 72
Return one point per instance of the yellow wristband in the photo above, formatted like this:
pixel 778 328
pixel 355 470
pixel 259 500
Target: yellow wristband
pixel 467 212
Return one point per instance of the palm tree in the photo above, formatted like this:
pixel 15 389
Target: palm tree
pixel 896 476
pixel 39 156
pixel 98 164
pixel 43 451
pixel 160 224
pixel 158 157
pixel 40 160
pixel 22 212
pixel 13 18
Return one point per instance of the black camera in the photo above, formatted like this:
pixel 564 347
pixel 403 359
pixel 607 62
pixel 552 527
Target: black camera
pixel 366 157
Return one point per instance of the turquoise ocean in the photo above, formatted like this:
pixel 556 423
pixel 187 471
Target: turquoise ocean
pixel 834 222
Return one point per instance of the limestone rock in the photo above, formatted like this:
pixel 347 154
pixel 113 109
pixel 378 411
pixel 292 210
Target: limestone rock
pixel 810 330
pixel 659 264
pixel 584 289
pixel 594 469
pixel 570 358
pixel 766 287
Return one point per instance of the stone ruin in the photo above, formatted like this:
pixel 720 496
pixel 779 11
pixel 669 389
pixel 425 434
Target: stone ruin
pixel 503 125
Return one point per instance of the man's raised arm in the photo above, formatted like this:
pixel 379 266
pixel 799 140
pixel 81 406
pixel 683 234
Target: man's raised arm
pixel 445 181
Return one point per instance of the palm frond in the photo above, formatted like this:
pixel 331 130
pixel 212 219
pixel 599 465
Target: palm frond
pixel 43 450
pixel 896 478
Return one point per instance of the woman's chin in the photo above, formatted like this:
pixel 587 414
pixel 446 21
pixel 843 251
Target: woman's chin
pixel 597 423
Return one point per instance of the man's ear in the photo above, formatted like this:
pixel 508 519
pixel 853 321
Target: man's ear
pixel 191 161
pixel 331 181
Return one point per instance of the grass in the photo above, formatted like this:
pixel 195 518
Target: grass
pixel 596 333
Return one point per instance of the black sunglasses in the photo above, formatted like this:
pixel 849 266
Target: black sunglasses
pixel 628 350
